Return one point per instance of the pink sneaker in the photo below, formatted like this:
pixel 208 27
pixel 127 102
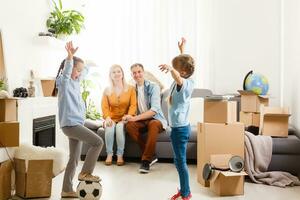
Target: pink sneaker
pixel 176 196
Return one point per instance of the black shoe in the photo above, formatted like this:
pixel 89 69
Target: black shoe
pixel 153 161
pixel 145 167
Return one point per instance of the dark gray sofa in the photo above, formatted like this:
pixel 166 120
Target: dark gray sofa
pixel 286 153
pixel 163 145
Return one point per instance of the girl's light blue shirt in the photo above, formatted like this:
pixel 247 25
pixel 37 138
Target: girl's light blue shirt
pixel 71 109
pixel 180 105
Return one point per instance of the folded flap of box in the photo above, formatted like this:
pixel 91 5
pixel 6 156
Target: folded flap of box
pixel 275 111
pixel 20 165
pixel 5 166
pixel 277 115
pixel 230 173
pixel 247 92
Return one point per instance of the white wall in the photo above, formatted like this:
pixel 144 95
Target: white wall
pixel 245 36
pixel 291 86
pixel 20 23
pixel 238 36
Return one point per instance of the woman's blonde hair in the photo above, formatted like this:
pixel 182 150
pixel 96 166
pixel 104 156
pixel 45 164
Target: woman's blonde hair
pixel 110 89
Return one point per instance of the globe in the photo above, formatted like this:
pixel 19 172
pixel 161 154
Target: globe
pixel 256 83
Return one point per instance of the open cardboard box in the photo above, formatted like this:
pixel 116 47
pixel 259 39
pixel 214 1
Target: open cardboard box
pixel 251 102
pixel 33 178
pixel 274 121
pixel 5 179
pixel 250 119
pixel 216 138
pixel 8 109
pixel 226 183
pixel 219 111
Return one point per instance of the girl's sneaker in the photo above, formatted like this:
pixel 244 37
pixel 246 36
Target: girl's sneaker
pixel 71 194
pixel 88 177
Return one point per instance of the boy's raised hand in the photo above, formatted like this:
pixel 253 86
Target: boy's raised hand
pixel 70 49
pixel 181 44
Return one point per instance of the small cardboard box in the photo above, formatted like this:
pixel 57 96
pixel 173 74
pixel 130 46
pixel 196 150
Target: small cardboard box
pixel 226 183
pixel 47 86
pixel 274 121
pixel 9 134
pixel 8 110
pixel 250 119
pixel 251 102
pixel 5 180
pixel 219 111
pixel 33 178
pixel 216 138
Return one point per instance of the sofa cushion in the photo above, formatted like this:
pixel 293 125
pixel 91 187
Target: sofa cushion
pixel 165 136
pixel 289 145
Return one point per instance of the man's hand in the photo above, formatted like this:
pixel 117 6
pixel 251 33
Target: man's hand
pixel 165 68
pixel 125 118
pixel 70 49
pixel 181 45
pixel 132 119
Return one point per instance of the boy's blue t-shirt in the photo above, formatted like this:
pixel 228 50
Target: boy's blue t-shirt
pixel 180 103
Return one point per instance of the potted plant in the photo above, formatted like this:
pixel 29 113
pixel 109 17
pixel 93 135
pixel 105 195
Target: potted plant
pixel 91 111
pixel 63 23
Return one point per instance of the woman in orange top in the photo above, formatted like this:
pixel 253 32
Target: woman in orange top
pixel 118 103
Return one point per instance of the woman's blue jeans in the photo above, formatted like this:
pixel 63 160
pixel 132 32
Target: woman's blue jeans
pixel 110 132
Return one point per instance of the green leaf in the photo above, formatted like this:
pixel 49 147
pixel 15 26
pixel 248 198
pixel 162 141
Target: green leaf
pixel 64 21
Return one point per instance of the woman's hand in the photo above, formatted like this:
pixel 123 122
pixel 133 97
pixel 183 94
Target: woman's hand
pixel 70 49
pixel 108 122
pixel 181 45
pixel 125 118
pixel 165 68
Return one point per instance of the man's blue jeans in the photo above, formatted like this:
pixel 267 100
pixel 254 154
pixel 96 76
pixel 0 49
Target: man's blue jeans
pixel 180 137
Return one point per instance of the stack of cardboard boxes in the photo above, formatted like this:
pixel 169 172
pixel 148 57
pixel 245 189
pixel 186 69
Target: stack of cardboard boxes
pixel 250 107
pixel 9 137
pixel 255 111
pixel 219 136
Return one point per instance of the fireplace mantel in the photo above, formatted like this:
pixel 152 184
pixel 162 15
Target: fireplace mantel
pixel 36 107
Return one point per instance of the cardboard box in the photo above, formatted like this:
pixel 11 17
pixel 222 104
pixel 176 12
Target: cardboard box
pixel 33 179
pixel 250 119
pixel 5 180
pixel 8 110
pixel 226 183
pixel 274 121
pixel 9 134
pixel 47 86
pixel 215 138
pixel 251 102
pixel 219 111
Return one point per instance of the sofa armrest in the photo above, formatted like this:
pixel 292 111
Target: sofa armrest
pixel 293 131
pixel 93 124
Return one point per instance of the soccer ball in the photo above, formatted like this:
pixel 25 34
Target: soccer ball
pixel 87 190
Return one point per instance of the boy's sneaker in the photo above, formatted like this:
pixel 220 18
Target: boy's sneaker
pixel 145 167
pixel 176 196
pixel 153 161
pixel 68 194
pixel 88 177
pixel 187 197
